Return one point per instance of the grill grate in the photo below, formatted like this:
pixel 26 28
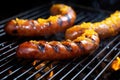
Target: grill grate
pixel 94 66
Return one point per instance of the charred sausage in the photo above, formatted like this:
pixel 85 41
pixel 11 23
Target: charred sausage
pixel 55 50
pixel 63 17
pixel 80 40
pixel 105 28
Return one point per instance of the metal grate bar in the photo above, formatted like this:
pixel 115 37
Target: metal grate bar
pixel 1 30
pixel 99 17
pixel 33 13
pixel 28 70
pixel 87 18
pixel 101 61
pixel 38 71
pixel 2 34
pixel 55 74
pixel 47 72
pixel 12 72
pixel 39 13
pixel 76 65
pixel 80 17
pixel 7 46
pixel 24 14
pixel 90 9
pixel 42 15
pixel 107 66
pixel 9 56
pixel 19 67
pixel 24 73
pixel 6 69
pixel 94 58
pixel 72 70
pixel 6 63
pixel 8 52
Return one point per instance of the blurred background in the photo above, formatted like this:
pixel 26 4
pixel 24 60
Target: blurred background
pixel 93 66
pixel 9 8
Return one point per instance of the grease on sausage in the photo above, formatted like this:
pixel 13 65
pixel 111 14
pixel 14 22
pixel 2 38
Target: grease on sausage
pixel 105 28
pixel 55 50
pixel 63 17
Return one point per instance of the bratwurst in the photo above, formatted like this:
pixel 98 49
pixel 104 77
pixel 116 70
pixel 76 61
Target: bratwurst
pixel 62 17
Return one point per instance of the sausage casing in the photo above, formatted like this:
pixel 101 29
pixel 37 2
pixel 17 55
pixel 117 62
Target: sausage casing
pixel 105 28
pixel 63 17
pixel 80 40
pixel 55 50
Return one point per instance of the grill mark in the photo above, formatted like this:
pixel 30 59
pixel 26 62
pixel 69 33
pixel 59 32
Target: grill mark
pixel 32 23
pixel 60 22
pixel 68 47
pixel 68 18
pixel 41 48
pixel 80 46
pixel 56 48
pixel 91 38
pixel 49 23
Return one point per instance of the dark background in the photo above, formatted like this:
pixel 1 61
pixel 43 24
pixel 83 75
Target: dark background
pixel 10 8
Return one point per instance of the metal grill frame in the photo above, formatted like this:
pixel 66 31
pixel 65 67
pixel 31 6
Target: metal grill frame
pixel 78 68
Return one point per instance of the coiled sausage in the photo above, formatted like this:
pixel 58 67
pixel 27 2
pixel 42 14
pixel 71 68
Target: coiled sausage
pixel 55 50
pixel 105 28
pixel 80 40
pixel 63 17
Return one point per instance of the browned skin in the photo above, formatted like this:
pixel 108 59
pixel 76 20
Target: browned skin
pixel 80 40
pixel 55 50
pixel 63 17
pixel 105 29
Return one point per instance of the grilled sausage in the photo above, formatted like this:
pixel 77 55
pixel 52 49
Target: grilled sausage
pixel 80 40
pixel 55 50
pixel 105 28
pixel 63 16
